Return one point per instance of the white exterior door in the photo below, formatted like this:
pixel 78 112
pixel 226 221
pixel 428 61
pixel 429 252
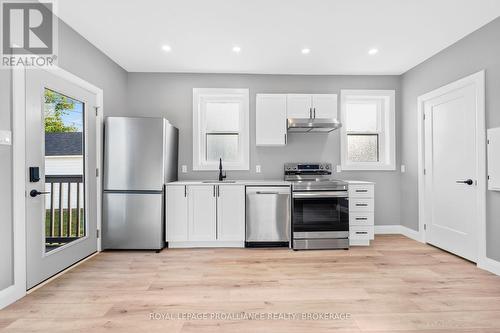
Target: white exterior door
pixel 451 213
pixel 324 106
pixel 177 213
pixel 61 209
pixel 231 213
pixel 202 212
pixel 299 106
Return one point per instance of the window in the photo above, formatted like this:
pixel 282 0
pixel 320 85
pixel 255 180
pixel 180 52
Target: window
pixel 220 129
pixel 368 130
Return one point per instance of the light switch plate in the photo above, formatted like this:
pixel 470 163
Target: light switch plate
pixel 6 138
pixel 258 169
pixel 403 168
pixel 184 169
pixel 338 168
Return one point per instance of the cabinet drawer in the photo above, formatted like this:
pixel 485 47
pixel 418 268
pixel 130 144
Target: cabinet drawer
pixel 361 191
pixel 361 232
pixel 365 219
pixel 361 205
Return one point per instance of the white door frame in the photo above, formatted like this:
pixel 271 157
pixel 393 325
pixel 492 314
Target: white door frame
pixel 18 289
pixel 478 80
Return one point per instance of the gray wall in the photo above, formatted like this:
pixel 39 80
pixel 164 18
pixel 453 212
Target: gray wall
pixel 83 59
pixel 479 50
pixel 170 96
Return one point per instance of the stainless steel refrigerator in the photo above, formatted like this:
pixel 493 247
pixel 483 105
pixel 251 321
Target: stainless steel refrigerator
pixel 140 157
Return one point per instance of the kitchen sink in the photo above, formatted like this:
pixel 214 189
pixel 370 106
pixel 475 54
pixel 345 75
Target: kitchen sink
pixel 218 181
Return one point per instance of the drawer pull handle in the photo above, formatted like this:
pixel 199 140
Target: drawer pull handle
pixel 361 191
pixel 361 218
pixel 361 233
pixel 361 205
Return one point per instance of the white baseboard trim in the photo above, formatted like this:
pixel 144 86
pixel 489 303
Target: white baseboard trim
pixel 387 229
pixel 398 230
pixel 191 244
pixel 10 294
pixel 489 265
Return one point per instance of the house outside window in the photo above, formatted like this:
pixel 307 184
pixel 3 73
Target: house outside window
pixel 368 131
pixel 220 128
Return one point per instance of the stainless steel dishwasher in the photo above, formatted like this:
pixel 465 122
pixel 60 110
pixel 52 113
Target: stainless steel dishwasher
pixel 267 216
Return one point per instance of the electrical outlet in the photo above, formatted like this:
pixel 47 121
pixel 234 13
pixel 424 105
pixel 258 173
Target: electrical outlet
pixel 184 169
pixel 403 168
pixel 258 169
pixel 6 138
pixel 338 168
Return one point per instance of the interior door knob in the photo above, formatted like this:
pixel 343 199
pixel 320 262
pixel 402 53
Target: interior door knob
pixel 468 181
pixel 34 193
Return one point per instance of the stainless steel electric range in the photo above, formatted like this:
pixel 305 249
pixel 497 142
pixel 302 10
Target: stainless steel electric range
pixel 320 207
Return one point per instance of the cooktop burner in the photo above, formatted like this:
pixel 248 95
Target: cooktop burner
pixel 312 177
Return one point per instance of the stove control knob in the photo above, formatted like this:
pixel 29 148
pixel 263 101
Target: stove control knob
pixel 321 167
pixel 327 167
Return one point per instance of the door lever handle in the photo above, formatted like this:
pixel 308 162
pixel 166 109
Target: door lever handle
pixel 468 181
pixel 34 193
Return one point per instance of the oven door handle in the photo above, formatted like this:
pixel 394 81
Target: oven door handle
pixel 320 194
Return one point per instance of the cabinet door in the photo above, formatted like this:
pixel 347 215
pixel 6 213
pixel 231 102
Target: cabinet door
pixel 270 120
pixel 202 212
pixel 177 213
pixel 299 106
pixel 324 105
pixel 231 213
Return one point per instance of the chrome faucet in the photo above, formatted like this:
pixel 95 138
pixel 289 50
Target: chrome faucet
pixel 222 176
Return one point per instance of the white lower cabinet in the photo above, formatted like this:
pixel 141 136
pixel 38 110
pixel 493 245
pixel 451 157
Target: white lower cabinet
pixel 177 213
pixel 231 213
pixel 361 213
pixel 205 215
pixel 202 212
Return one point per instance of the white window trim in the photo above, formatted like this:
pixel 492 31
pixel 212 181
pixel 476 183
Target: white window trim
pixel 199 162
pixel 388 134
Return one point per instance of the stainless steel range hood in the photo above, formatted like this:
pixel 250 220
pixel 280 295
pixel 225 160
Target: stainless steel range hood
pixel 311 125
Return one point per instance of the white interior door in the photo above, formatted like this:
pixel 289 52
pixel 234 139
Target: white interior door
pixel 451 172
pixel 61 200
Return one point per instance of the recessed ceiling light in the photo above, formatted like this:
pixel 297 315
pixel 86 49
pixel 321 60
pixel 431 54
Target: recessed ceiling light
pixel 166 48
pixel 373 51
pixel 236 49
pixel 306 51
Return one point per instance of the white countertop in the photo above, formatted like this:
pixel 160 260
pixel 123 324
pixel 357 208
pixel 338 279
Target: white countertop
pixel 255 182
pixel 357 182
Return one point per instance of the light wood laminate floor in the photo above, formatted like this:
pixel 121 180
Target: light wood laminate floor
pixel 395 285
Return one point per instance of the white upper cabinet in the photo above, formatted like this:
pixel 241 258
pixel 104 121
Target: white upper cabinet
pixel 270 118
pixel 202 212
pixel 299 106
pixel 319 106
pixel 231 213
pixel 177 213
pixel 324 106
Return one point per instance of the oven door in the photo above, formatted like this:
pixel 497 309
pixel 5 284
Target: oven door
pixel 320 212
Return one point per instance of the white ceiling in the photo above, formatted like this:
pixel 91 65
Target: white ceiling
pixel 271 33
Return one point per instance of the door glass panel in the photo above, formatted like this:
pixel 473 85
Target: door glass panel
pixel 64 169
pixel 362 147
